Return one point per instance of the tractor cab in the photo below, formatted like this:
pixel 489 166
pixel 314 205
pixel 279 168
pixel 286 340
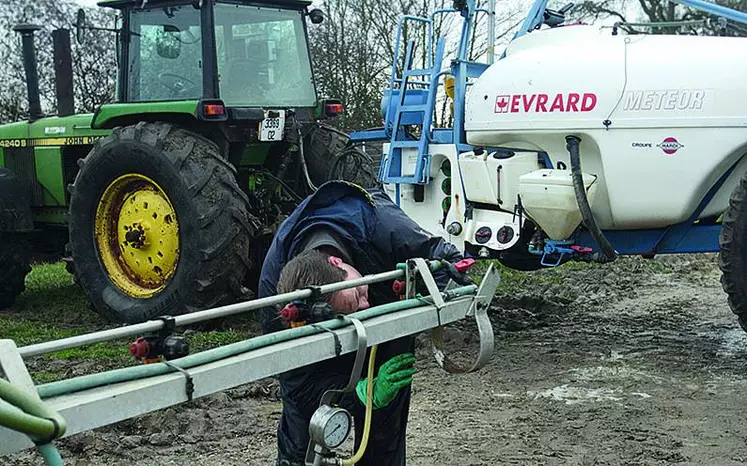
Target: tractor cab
pixel 236 58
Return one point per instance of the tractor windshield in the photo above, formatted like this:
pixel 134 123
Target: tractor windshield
pixel 165 59
pixel 262 57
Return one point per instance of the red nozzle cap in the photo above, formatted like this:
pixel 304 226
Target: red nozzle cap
pixel 289 313
pixel 140 348
pixel 464 264
pixel 399 287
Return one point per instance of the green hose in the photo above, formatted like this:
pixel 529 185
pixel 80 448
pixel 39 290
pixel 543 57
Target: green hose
pixel 34 427
pixel 26 414
pixel 34 418
pixel 50 454
pixel 140 372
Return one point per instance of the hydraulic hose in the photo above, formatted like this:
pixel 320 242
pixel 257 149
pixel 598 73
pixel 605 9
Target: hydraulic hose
pixel 50 454
pixel 369 411
pixel 572 143
pixel 32 418
pixel 140 372
pixel 35 418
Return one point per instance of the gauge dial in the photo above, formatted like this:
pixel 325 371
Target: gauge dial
pixel 330 426
pixel 337 429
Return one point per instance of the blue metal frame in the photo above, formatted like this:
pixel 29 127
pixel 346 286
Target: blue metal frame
pixel 717 10
pixel 390 170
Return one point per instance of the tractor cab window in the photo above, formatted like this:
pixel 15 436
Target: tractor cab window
pixel 165 59
pixel 262 57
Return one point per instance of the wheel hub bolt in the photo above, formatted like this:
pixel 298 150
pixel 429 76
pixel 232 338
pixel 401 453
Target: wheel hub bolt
pixel 136 238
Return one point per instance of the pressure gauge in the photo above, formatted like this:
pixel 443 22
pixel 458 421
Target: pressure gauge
pixel 329 426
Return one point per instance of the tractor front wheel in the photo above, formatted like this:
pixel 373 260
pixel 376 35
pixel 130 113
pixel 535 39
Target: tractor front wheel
pixel 733 251
pixel 158 224
pixel 14 266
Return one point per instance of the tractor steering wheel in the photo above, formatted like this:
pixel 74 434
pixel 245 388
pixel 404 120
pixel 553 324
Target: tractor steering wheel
pixel 178 84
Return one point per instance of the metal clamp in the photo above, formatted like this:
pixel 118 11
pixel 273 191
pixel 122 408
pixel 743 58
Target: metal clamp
pixel 190 385
pixel 424 270
pixel 338 345
pixel 479 310
pixel 313 451
pixel 360 359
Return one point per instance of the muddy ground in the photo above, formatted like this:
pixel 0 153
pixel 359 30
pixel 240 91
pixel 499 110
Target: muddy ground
pixel 635 363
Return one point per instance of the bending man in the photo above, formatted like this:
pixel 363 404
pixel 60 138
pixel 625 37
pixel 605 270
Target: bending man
pixel 342 232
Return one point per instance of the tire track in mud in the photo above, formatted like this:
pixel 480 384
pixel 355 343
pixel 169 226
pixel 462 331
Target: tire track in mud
pixel 653 375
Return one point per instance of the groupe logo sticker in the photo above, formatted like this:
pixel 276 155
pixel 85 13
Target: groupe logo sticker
pixel 669 145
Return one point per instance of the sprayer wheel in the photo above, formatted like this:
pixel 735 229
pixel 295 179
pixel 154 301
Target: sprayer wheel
pixel 733 251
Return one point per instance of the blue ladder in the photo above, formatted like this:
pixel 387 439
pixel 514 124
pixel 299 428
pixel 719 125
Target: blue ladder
pixel 417 114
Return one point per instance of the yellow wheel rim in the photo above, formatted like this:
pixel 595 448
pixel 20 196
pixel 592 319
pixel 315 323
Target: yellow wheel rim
pixel 137 234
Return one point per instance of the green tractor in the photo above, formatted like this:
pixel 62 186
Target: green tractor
pixel 166 200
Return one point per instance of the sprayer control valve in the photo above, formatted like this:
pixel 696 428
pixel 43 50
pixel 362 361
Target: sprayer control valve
pixel 140 348
pixel 399 287
pixel 174 347
pixel 290 313
pixel 464 265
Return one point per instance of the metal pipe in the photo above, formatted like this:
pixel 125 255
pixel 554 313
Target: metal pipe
pixel 150 370
pixel 491 32
pixel 208 314
pixel 63 71
pixel 717 10
pixel 29 64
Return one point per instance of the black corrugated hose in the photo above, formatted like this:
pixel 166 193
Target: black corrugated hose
pixel 572 143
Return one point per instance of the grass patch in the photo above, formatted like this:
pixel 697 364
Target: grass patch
pixel 201 341
pixel 42 377
pixel 53 307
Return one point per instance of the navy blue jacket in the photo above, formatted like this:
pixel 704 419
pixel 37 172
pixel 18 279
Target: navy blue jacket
pixel 377 234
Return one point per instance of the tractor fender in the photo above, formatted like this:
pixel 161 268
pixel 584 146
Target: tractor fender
pixel 15 210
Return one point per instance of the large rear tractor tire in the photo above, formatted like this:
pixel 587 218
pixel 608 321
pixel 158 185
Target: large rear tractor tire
pixel 733 251
pixel 158 224
pixel 14 266
pixel 330 156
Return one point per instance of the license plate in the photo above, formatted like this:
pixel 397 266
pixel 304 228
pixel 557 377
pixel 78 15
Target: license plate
pixel 271 128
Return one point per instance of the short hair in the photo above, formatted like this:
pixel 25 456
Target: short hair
pixel 310 268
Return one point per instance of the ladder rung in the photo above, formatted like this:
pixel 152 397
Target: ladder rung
pixel 412 108
pixel 418 83
pixel 426 72
pixel 405 144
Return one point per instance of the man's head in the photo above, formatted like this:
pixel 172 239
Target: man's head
pixel 316 268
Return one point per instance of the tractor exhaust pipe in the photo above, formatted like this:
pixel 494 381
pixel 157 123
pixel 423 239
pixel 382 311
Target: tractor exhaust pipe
pixel 63 71
pixel 572 143
pixel 29 64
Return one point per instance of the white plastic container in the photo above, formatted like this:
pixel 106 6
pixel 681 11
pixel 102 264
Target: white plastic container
pixel 549 199
pixel 495 181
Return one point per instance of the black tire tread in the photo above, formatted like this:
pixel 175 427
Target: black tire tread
pixel 15 266
pixel 222 214
pixel 733 253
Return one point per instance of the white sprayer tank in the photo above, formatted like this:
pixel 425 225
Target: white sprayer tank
pixel 660 117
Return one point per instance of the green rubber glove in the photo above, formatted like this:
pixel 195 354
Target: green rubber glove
pixel 393 375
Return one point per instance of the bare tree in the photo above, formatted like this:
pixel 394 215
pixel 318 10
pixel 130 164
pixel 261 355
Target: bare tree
pixel 94 63
pixel 657 11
